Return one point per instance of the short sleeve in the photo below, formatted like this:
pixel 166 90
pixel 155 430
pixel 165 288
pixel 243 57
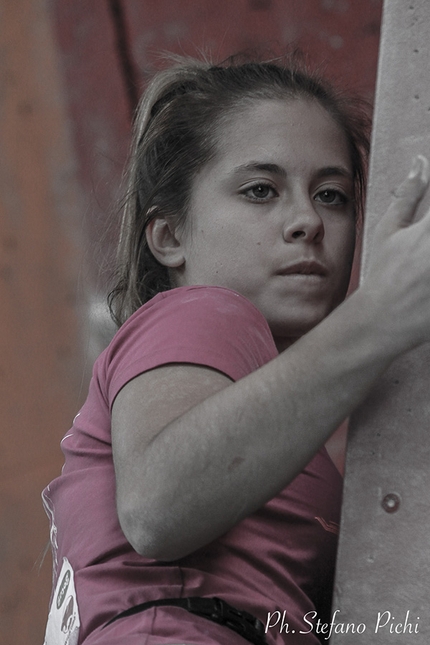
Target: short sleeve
pixel 211 326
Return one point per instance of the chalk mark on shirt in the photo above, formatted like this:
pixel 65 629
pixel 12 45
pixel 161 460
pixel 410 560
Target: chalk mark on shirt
pixel 331 527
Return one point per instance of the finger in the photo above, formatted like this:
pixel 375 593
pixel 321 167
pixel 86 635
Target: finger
pixel 408 195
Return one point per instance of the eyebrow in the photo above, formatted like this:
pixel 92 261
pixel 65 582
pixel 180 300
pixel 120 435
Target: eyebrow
pixel 274 169
pixel 334 170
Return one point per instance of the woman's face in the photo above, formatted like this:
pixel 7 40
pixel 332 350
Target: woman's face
pixel 271 215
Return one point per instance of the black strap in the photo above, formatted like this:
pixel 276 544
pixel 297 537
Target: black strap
pixel 215 609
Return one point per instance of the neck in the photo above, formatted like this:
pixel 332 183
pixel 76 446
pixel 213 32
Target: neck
pixel 284 343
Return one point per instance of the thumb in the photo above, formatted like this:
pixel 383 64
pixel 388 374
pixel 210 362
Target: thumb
pixel 407 196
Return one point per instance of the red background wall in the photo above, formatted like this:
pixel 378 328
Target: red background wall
pixel 70 73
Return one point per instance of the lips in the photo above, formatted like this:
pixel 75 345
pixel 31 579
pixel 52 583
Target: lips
pixel 305 267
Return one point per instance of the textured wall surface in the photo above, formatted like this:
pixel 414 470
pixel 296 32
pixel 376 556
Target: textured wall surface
pixel 70 74
pixel 383 566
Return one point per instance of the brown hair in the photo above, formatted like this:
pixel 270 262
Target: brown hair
pixel 175 134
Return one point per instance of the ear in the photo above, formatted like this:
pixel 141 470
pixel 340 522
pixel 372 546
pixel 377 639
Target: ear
pixel 163 241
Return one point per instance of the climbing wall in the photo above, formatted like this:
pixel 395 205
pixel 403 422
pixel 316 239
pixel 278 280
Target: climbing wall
pixel 383 560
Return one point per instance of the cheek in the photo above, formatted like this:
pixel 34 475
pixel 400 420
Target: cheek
pixel 349 245
pixel 346 237
pixel 342 249
pixel 352 239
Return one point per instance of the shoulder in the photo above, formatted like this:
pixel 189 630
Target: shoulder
pixel 199 299
pixel 203 325
pixel 198 314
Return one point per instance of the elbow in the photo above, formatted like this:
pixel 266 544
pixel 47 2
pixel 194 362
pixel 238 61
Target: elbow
pixel 147 532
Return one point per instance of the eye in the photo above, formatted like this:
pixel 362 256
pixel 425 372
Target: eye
pixel 331 197
pixel 260 192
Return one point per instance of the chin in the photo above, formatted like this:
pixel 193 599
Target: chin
pixel 299 321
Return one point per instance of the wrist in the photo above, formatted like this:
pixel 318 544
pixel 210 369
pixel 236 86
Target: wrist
pixel 372 327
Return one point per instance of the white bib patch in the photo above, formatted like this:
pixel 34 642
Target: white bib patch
pixel 63 620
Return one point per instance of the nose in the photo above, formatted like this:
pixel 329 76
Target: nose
pixel 306 225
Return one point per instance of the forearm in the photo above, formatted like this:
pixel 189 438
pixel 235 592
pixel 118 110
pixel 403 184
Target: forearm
pixel 231 453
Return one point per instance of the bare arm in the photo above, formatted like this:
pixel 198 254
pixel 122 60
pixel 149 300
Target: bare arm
pixel 194 454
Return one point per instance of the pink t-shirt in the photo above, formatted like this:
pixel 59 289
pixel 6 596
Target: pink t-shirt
pixel 279 559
